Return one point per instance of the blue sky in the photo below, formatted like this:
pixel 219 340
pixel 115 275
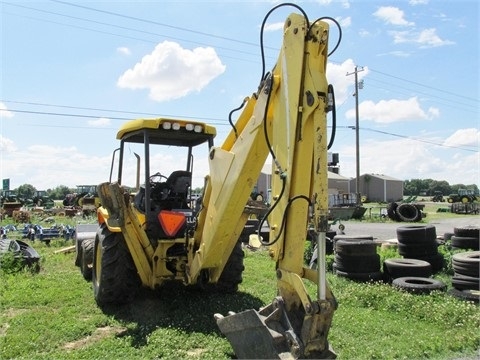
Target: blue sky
pixel 71 72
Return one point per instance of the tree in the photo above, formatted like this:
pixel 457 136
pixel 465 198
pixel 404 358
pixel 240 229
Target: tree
pixel 25 191
pixel 59 192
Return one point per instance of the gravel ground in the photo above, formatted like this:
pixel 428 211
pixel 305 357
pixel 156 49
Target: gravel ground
pixel 387 231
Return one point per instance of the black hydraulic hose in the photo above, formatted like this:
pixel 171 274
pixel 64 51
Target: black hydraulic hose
pixel 262 28
pixel 339 31
pixel 230 117
pixel 334 116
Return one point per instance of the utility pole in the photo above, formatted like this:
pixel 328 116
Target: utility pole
pixel 357 133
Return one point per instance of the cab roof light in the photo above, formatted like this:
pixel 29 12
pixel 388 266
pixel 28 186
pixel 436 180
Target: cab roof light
pixel 189 127
pixel 176 126
pixel 198 128
pixel 167 125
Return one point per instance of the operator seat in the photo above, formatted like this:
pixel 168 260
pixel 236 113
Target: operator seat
pixel 179 183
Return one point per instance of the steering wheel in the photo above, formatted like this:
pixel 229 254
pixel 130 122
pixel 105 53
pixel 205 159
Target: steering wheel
pixel 157 178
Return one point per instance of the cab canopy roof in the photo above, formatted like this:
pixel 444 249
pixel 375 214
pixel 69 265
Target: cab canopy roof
pixel 164 131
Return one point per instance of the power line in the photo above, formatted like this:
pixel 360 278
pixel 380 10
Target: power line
pixel 426 86
pixel 116 26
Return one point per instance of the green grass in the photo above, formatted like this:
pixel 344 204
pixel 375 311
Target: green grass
pixel 52 315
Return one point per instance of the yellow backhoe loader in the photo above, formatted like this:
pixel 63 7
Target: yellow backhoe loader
pixel 159 235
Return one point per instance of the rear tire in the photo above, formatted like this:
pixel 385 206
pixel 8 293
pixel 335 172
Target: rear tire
pixel 232 273
pixel 86 258
pixel 114 276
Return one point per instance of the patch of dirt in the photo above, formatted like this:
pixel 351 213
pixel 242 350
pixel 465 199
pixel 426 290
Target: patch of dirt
pixel 9 313
pixel 195 352
pixel 98 334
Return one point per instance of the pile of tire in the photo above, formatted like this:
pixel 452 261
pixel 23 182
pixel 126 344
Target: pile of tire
pixel 465 237
pixel 397 268
pixel 466 276
pixel 404 212
pixel 420 242
pixel 356 258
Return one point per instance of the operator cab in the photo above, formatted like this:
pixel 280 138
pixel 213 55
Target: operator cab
pixel 162 199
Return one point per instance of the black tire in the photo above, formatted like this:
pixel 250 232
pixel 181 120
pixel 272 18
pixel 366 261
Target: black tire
pixel 421 249
pixel 418 285
pixel 86 260
pixel 465 242
pixel 358 264
pixel 467 295
pixel 355 247
pixel 114 276
pixel 447 236
pixel 392 211
pixel 463 282
pixel 468 231
pixel 467 263
pixel 395 268
pixel 437 261
pixel 415 234
pixel 232 274
pixel 408 212
pixel 360 277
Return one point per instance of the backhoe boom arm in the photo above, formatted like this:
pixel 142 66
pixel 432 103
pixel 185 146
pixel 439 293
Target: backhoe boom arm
pixel 286 118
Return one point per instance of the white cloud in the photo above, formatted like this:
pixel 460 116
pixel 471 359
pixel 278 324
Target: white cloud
pixel 345 22
pixel 6 145
pixel 46 166
pixel 4 112
pixel 100 122
pixel 425 38
pixel 171 72
pixel 397 53
pixel 390 111
pixel 392 15
pixel 418 2
pixel 344 3
pixel 337 76
pixel 274 26
pixel 431 161
pixel 123 50
pixel 464 137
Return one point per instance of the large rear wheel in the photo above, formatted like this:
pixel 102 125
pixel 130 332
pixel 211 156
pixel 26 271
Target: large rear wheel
pixel 232 273
pixel 114 276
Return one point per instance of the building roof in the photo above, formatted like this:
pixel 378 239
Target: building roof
pixel 381 176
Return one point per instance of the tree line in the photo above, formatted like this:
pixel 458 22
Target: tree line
pixel 428 187
pixel 425 187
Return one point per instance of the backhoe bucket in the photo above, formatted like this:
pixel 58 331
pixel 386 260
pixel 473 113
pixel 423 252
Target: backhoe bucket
pixel 265 334
pixel 250 337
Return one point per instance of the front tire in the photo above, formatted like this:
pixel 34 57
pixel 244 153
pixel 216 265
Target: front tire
pixel 114 276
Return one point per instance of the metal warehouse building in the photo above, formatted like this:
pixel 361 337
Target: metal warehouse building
pixel 379 187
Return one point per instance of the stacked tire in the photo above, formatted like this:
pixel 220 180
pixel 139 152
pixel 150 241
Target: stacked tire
pixel 397 268
pixel 465 237
pixel 466 276
pixel 357 259
pixel 420 242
